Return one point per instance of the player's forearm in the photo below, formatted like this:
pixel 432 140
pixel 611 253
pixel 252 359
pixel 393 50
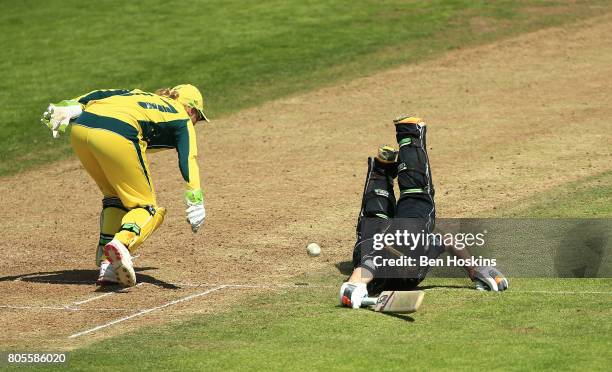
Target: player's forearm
pixel 464 254
pixel 186 145
pixel 194 174
pixel 360 275
pixel 188 165
pixel 459 253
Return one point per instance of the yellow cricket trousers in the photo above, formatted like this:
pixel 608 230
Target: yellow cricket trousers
pixel 118 165
pixel 120 168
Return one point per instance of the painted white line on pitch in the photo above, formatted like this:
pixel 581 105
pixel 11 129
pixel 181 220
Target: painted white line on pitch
pixel 123 290
pixel 306 285
pixel 58 281
pixel 268 286
pixel 146 311
pixel 65 308
pixel 239 285
pixel 564 292
pixel 77 303
pixel 518 291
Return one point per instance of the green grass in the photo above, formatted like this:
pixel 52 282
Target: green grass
pixel 588 197
pixel 456 329
pixel 240 53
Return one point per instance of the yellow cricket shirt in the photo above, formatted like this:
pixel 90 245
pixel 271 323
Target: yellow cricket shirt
pixel 160 122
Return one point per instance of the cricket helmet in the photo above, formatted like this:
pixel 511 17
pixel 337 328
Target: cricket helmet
pixel 191 96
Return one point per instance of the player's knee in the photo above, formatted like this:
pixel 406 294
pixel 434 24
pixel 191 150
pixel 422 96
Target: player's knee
pixel 413 173
pixel 113 202
pixel 380 203
pixel 416 206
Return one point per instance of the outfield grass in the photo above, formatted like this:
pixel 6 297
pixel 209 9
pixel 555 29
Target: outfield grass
pixel 240 53
pixel 587 197
pixel 304 329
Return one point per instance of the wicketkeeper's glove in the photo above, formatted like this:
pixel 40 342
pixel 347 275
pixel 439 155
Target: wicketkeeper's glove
pixel 195 209
pixel 487 278
pixel 352 294
pixel 58 116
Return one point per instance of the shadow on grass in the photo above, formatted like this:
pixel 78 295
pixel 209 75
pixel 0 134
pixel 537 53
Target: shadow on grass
pixel 344 267
pixel 451 286
pixel 403 317
pixel 81 277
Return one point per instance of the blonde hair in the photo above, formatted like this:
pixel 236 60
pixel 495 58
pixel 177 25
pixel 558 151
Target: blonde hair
pixel 167 92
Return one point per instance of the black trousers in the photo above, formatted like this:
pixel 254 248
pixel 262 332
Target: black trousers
pixel 381 212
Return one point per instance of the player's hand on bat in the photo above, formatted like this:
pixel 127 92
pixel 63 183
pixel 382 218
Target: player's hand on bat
pixel 488 278
pixel 58 116
pixel 195 209
pixel 352 294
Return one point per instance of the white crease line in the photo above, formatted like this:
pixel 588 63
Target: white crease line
pixel 518 291
pixel 146 311
pixel 66 308
pixel 563 292
pixel 51 281
pixel 305 285
pixel 123 290
pixel 77 303
pixel 322 286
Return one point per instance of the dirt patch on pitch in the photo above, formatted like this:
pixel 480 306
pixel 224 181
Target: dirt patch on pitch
pixel 507 120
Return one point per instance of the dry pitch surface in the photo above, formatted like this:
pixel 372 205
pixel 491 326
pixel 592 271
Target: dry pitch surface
pixel 507 121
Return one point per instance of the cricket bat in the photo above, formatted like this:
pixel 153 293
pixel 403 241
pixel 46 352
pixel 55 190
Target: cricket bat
pixel 401 302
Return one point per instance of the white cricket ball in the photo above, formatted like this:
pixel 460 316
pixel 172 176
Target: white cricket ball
pixel 313 249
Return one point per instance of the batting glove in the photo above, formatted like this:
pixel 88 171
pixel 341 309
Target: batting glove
pixel 352 294
pixel 58 116
pixel 195 209
pixel 487 278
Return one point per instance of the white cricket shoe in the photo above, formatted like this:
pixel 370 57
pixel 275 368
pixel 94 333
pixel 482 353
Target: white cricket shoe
pixel 121 262
pixel 107 275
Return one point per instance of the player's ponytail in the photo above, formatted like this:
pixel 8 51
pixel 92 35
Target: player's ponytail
pixel 167 92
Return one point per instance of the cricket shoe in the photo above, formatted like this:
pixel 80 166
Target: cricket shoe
pixel 121 262
pixel 386 154
pixel 107 275
pixel 409 120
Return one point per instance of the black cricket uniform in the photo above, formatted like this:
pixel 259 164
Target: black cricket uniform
pixel 414 211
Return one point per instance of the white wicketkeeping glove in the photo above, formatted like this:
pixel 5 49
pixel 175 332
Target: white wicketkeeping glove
pixel 195 209
pixel 58 116
pixel 488 278
pixel 351 294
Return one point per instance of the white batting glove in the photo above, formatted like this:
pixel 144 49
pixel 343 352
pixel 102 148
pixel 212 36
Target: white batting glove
pixel 352 294
pixel 195 209
pixel 58 116
pixel 487 278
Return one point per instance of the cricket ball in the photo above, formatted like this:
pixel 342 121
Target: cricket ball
pixel 313 249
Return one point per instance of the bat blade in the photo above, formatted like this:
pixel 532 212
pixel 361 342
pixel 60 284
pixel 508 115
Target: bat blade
pixel 401 302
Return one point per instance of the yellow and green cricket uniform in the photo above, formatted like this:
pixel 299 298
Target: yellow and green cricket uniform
pixel 111 137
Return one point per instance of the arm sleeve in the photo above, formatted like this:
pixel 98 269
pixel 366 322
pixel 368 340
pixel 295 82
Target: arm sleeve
pixel 99 94
pixel 187 150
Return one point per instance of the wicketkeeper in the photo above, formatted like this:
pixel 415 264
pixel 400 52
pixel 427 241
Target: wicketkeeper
pixel 414 211
pixel 111 133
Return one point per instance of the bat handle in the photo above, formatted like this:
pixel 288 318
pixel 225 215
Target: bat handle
pixel 369 301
